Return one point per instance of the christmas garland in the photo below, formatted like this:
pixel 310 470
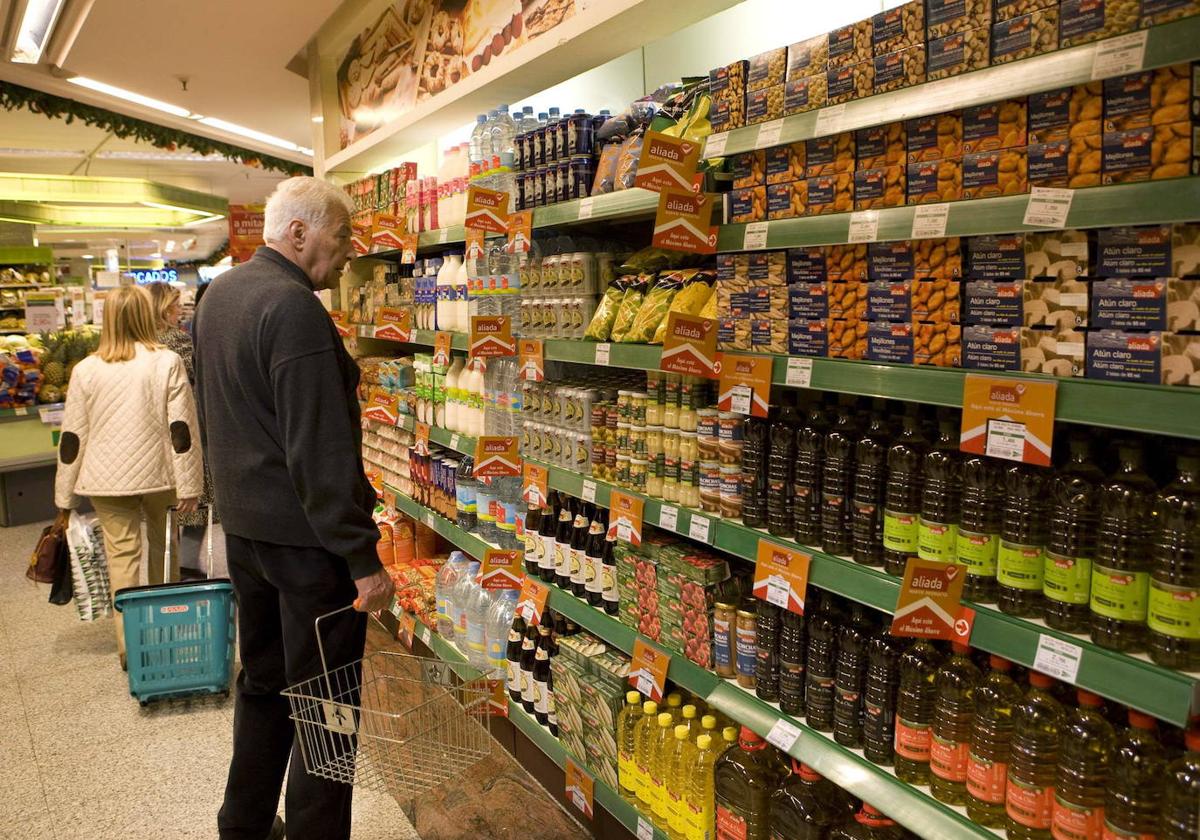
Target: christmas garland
pixel 13 97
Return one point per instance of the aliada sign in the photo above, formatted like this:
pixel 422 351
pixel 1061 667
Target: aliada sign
pixel 1008 418
pixel 690 346
pixel 487 210
pixel 667 163
pixel 684 223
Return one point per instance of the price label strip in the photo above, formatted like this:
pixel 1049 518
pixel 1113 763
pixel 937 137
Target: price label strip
pixel 1057 658
pixel 929 221
pixel 799 372
pixel 783 735
pixel 1048 207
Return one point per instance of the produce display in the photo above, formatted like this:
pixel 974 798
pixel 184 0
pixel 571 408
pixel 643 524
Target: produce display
pixel 37 369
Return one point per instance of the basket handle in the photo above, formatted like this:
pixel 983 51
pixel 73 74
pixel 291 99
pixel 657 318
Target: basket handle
pixel 321 646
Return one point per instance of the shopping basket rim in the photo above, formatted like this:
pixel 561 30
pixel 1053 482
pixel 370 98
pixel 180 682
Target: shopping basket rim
pixel 297 691
pixel 134 593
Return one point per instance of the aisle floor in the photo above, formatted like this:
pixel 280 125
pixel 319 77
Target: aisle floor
pixel 81 759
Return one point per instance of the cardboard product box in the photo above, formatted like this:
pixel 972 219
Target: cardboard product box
pixel 769 335
pixel 1025 36
pixel 732 267
pixel 829 155
pixel 1058 304
pixel 767 268
pixel 1149 154
pixel 848 82
pixel 987 174
pixel 1008 9
pixel 1084 21
pixel 1152 97
pixel 1061 254
pixel 1053 352
pixel 765 104
pixel 1067 112
pixel 890 300
pixel 1185 249
pixel 939 345
pixel 898 28
pixel 890 261
pixel 728 88
pixel 932 182
pixel 808 337
pixel 994 303
pixel 847 262
pixel 748 205
pixel 1073 163
pixel 787 201
pixel 944 17
pixel 847 299
pixel 807 57
pixel 1183 305
pixel 890 342
pixel 1154 12
pixel 805 93
pixel 847 339
pixel 733 334
pixel 760 302
pixel 937 301
pixel 899 69
pixel 806 265
pixel 937 258
pixel 850 44
pixel 766 69
pixel 784 164
pixel 1124 356
pixel 879 146
pixel 877 188
pixel 1181 359
pixel 748 169
pixel 934 137
pixel 958 52
pixel 830 194
pixel 991 348
pixel 808 301
pixel 1128 251
pixel 997 125
pixel 1129 304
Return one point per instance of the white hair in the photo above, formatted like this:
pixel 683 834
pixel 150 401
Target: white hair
pixel 302 198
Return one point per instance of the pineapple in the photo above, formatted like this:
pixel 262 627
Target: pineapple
pixel 54 368
pixel 79 346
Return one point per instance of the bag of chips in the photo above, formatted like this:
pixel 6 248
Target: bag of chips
pixel 600 327
pixel 631 302
pixel 691 299
pixel 653 310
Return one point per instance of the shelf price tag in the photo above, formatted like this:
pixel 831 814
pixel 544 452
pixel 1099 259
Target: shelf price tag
pixel 930 600
pixel 408 628
pixel 690 346
pixel 408 248
pixel 648 670
pixel 532 360
pixel 393 324
pixel 532 600
pixel 698 528
pixel 799 372
pixel 864 226
pixel 496 456
pixel 645 829
pixel 684 223
pixel 52 416
pixel 625 519
pixel 714 146
pixel 603 352
pixel 491 335
pixel 1008 418
pixel 1058 659
pixel 487 210
pixel 668 517
pixel 520 231
pixel 783 735
pixel 588 493
pixel 781 576
pixel 586 206
pixel 1048 207
pixel 501 569
pixel 535 483
pixel 739 373
pixel 454 442
pixel 423 634
pixel 422 438
pixel 768 134
pixel 929 221
pixel 498 699
pixel 382 406
pixel 829 120
pixel 1118 56
pixel 667 163
pixel 580 786
pixel 755 236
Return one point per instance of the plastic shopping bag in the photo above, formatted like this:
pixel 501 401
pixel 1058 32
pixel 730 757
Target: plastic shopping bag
pixel 89 567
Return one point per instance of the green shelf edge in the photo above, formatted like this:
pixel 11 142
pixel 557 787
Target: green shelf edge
pixel 14 255
pixel 1150 202
pixel 1166 43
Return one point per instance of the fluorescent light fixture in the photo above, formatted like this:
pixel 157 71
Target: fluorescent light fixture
pixel 87 257
pixel 241 130
pixel 214 218
pixel 318 119
pixel 189 210
pixel 171 245
pixel 129 96
pixel 33 34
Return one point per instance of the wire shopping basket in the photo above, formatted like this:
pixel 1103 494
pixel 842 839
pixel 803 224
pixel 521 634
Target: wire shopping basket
pixel 391 722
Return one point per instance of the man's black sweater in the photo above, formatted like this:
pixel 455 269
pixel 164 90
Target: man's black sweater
pixel 279 414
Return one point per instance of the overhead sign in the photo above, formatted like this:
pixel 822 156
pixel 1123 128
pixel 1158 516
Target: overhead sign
pixel 141 276
pixel 487 210
pixel 690 346
pixel 667 163
pixel 1008 418
pixel 684 223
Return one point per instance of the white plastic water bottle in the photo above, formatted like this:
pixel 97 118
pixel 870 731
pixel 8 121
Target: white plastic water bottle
pixel 499 622
pixel 460 601
pixel 474 153
pixel 447 577
pixel 478 603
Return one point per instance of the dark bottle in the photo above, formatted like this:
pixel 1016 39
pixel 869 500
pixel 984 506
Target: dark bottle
pixel 512 655
pixel 754 472
pixel 1181 793
pixel 1135 780
pixel 870 474
pixel 879 698
pixel 996 698
pixel 793 644
pixel 593 564
pixel 850 680
pixel 562 544
pixel 609 591
pixel 837 480
pixel 808 806
pixel 541 677
pixel 1082 773
pixel 780 472
pixel 744 778
pixel 551 711
pixel 528 652
pixel 579 541
pixel 533 540
pixel 979 526
pixel 1019 563
pixel 1174 610
pixel 941 490
pixel 953 713
pixel 868 824
pixel 1037 729
pixel 914 712
pixel 546 530
pixel 820 665
pixel 766 640
pixel 1074 511
pixel 902 494
pixel 806 478
pixel 1121 573
pixel 465 515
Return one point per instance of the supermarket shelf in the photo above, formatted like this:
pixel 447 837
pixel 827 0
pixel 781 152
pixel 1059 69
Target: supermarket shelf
pixel 1165 44
pixel 1152 202
pixel 468 542
pixel 423 337
pixel 28 412
pixel 14 255
pixel 463 444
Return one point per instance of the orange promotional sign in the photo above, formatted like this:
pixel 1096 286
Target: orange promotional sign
pixel 532 360
pixel 496 456
pixel 473 244
pixel 487 210
pixel 648 670
pixel 382 406
pixel 408 248
pixel 690 346
pixel 1008 418
pixel 340 323
pixel 421 431
pixel 501 569
pixel 684 223
pixel 520 231
pixel 745 384
pixel 441 349
pixel 580 786
pixel 781 576
pixel 360 235
pixel 497 698
pixel 387 232
pixel 930 602
pixel 532 600
pixel 393 323
pixel 535 483
pixel 625 517
pixel 668 163
pixel 491 335
pixel 389 499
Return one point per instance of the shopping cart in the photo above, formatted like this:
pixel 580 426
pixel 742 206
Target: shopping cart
pixel 391 722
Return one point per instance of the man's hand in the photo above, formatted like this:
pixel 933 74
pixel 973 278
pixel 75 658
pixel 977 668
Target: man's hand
pixel 187 505
pixel 374 592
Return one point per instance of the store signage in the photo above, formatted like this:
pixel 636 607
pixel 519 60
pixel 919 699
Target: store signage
pixel 141 276
pixel 473 247
pixel 491 335
pixel 408 626
pixel 781 576
pixel 648 670
pixel 745 384
pixel 393 323
pixel 387 232
pixel 487 210
pixel 668 163
pixel 501 569
pixel 496 456
pixel 44 311
pixel 497 698
pixel 684 223
pixel 344 329
pixel 535 483
pixel 580 786
pixel 532 601
pixel 441 349
pixel 408 248
pixel 930 600
pixel 690 346
pixel 520 231
pixel 625 517
pixel 421 432
pixel 1008 418
pixel 245 230
pixel 360 235
pixel 532 358
pixel 382 406
pixel 1048 207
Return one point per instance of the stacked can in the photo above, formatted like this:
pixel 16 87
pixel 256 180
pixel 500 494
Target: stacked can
pixel 767 641
pixel 754 472
pixel 731 439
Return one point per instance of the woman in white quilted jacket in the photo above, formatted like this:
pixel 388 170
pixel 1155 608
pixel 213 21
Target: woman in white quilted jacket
pixel 130 440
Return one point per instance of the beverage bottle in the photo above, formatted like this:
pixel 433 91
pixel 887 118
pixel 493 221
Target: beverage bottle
pixel 562 544
pixel 546 531
pixel 793 646
pixel 820 664
pixel 453 373
pixel 937 531
pixel 529 647
pixel 953 714
pixel 1074 496
pixel 516 639
pixel 879 698
pixel 1019 563
pixel 674 707
pixel 806 477
pixel 837 479
pixel 541 677
pixel 1121 573
pixel 902 493
pixel 512 528
pixel 676 777
pixel 870 474
pixel 1135 781
pixel 504 132
pixel 479 601
pixel 766 640
pixel 744 779
pixel 579 541
pixel 850 680
pixel 996 696
pixel 485 510
pixel 1029 795
pixel 459 311
pixel 609 591
pixel 699 789
pixel 755 454
pixel 485 143
pixel 475 154
pixel 978 539
pixel 593 562
pixel 1173 613
pixel 498 623
pixel 915 702
pixel 808 806
pixel 643 744
pixel 660 753
pixel 1181 793
pixel 533 542
pixel 1082 773
pixel 868 824
pixel 627 721
pixel 447 577
pixel 780 478
pixel 459 602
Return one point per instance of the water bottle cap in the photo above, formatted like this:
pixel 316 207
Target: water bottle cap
pixel 481 118
pixel 542 115
pixel 1140 720
pixel 632 697
pixel 501 109
pixel 528 109
pixel 681 731
pixel 1040 680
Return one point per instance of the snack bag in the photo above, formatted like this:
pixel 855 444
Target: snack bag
pixel 606 313
pixel 606 169
pixel 627 163
pixel 691 299
pixel 630 304
pixel 653 310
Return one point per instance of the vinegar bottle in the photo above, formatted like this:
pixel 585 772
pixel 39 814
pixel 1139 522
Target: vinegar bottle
pixel 996 697
pixel 808 806
pixel 1174 608
pixel 1135 780
pixel 914 712
pixel 902 497
pixel 870 474
pixel 1181 793
pixel 851 676
pixel 806 478
pixel 1029 795
pixel 1019 563
pixel 937 531
pixel 1082 773
pixel 546 531
pixel 953 714
pixel 744 779
pixel 979 526
pixel 820 665
pixel 793 645
pixel 868 824
pixel 837 480
pixel 879 698
pixel 1074 497
pixel 627 721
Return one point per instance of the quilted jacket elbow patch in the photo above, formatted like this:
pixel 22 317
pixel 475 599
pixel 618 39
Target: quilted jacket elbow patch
pixel 68 448
pixel 181 437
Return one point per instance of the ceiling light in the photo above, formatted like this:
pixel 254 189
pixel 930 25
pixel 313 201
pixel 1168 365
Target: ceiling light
pixel 87 257
pixel 171 245
pixel 34 32
pixel 318 119
pixel 129 96
pixel 204 221
pixel 241 130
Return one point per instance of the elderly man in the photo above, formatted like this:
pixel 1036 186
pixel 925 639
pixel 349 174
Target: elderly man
pixel 280 421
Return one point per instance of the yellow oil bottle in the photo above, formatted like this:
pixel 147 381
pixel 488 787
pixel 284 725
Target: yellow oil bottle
pixel 676 779
pixel 660 755
pixel 643 740
pixel 700 822
pixel 627 721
